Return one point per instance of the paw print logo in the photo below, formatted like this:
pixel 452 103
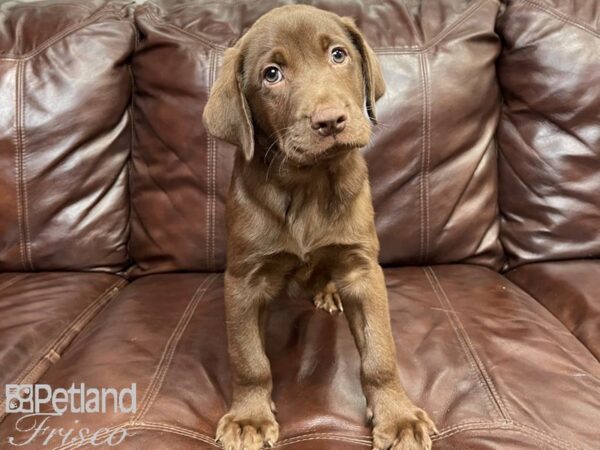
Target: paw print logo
pixel 19 398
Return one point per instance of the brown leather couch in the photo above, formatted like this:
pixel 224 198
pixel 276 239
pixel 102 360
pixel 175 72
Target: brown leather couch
pixel 486 182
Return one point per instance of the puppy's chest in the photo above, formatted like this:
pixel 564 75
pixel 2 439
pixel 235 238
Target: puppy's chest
pixel 312 222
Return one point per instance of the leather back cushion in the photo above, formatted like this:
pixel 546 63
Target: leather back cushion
pixel 549 132
pixel 65 136
pixel 432 160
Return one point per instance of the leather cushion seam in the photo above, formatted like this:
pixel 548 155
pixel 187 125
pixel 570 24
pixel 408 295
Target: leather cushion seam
pixel 466 345
pixel 425 156
pixel 492 389
pixel 18 157
pixel 210 176
pixel 387 50
pixel 21 175
pixel 397 50
pixel 102 13
pixel 562 17
pixel 162 367
pixel 54 347
pixel 495 395
pixel 86 8
pixel 156 21
pixel 466 427
pixel 170 348
pixel 479 364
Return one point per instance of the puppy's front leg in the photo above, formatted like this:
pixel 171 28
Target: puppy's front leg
pixel 250 423
pixel 397 423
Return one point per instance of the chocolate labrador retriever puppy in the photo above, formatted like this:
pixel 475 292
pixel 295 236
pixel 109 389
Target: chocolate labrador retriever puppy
pixel 291 96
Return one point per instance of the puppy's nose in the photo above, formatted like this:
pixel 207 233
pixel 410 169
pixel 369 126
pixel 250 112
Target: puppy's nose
pixel 328 121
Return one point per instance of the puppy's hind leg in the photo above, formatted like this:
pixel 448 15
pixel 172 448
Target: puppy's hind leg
pixel 328 299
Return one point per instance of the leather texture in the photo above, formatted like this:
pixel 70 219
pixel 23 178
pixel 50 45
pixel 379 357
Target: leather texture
pixel 472 349
pixel 432 166
pixel 570 290
pixel 65 136
pixel 486 157
pixel 548 135
pixel 40 316
pixel 179 175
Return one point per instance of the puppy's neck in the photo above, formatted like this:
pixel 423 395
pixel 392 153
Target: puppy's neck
pixel 331 185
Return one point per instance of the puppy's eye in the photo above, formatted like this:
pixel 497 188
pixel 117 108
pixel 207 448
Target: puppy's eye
pixel 272 75
pixel 338 55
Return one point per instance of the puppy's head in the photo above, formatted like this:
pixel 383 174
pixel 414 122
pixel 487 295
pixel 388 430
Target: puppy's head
pixel 299 78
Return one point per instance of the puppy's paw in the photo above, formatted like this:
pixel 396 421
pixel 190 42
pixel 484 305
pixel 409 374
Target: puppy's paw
pixel 400 425
pixel 329 299
pixel 247 430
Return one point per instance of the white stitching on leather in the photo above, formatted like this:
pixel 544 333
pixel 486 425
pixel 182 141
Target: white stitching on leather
pixel 425 157
pixel 210 182
pixel 541 435
pixel 465 427
pixel 32 372
pixel 422 161
pixel 18 162
pixel 24 158
pixel 495 395
pixel 100 14
pixel 451 314
pixel 162 367
pixel 439 37
pixel 158 22
pixel 178 430
pixel 562 17
pixel 533 433
pixel 400 49
pixel 171 346
pixel 75 324
pixel 21 178
pixel 427 154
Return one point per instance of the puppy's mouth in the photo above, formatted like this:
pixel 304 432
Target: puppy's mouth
pixel 330 144
pixel 309 155
pixel 323 148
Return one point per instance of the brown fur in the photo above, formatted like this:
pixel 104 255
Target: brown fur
pixel 299 212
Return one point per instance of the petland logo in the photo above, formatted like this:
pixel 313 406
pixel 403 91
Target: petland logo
pixel 40 403
pixel 30 398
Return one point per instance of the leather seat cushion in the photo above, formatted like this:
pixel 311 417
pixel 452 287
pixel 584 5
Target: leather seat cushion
pixel 474 350
pixel 569 289
pixel 40 314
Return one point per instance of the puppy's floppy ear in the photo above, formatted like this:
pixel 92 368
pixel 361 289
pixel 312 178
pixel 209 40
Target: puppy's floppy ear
pixel 227 115
pixel 374 83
